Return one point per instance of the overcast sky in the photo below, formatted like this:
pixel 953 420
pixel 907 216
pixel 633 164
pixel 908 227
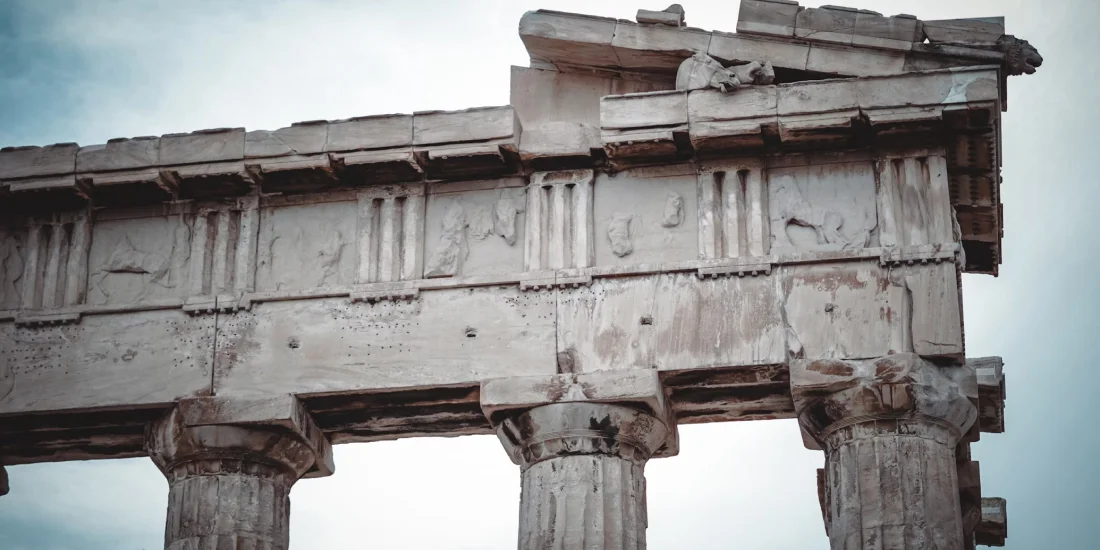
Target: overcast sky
pixel 93 70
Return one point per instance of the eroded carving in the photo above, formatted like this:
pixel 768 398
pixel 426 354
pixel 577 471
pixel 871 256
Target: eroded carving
pixel 11 270
pixel 327 253
pixel 451 250
pixel 796 223
pixel 673 214
pixel 138 269
pixel 619 233
pixel 7 378
pixel 1020 56
pixel 481 222
pixel 504 219
pixel 702 71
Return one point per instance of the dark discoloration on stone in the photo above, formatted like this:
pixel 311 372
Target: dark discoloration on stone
pixel 832 368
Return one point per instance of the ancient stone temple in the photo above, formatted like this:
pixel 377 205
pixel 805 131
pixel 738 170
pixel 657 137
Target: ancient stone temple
pixel 666 226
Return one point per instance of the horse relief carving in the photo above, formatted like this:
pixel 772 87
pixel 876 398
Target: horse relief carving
pixel 798 224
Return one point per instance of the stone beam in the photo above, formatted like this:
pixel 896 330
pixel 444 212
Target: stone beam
pixel 791 37
pixel 694 396
pixel 230 162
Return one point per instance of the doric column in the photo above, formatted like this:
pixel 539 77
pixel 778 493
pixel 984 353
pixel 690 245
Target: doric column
pixel 582 442
pixel 230 464
pixel 889 428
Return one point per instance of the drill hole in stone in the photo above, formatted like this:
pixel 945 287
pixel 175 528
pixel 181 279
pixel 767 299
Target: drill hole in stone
pixel 293 343
pixel 471 332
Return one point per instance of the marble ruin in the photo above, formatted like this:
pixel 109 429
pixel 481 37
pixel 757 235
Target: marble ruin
pixel 666 226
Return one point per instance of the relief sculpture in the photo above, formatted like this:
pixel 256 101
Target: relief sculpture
pixel 673 214
pixel 504 218
pixel 451 250
pixel 796 223
pixel 11 271
pixel 619 233
pixel 463 242
pixel 138 266
pixel 329 246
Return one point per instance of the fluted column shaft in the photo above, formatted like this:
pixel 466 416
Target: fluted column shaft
pixel 889 428
pixel 229 483
pixel 583 501
pixel 583 480
pixel 892 484
pixel 227 503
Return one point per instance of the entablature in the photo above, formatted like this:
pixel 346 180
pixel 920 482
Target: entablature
pixel 802 43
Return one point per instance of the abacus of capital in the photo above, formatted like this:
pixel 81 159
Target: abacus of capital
pixel 666 226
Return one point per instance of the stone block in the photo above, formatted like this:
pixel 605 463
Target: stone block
pixel 991 393
pixel 569 38
pixel 203 146
pixel 817 96
pixel 671 17
pixel 727 121
pixel 978 30
pixel 774 17
pixel 211 180
pixel 385 166
pixel 294 174
pixel 467 126
pixel 29 162
pixel 886 32
pixel 656 48
pixel 301 138
pixel 947 87
pixel 644 110
pixel 130 187
pixel 557 145
pixel 47 194
pixel 993 529
pixel 119 154
pixel 505 397
pixel 733 48
pixel 134 359
pixel 282 412
pixel 826 391
pixel 842 60
pixel 636 387
pixel 370 132
pixel 826 24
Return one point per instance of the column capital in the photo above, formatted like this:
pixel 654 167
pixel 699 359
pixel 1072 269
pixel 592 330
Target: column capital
pixel 275 431
pixel 830 394
pixel 623 414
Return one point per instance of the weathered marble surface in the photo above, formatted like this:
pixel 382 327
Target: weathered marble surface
pixel 582 456
pixel 889 428
pixel 126 359
pixel 230 469
pixel 579 271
